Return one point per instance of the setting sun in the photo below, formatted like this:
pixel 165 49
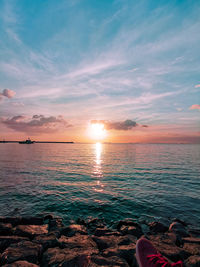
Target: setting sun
pixel 97 131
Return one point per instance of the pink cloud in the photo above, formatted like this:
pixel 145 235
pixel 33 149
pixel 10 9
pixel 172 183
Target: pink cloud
pixel 36 124
pixel 197 85
pixel 7 93
pixel 196 106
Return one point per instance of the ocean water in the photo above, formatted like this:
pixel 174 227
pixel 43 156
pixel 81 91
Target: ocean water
pixel 111 181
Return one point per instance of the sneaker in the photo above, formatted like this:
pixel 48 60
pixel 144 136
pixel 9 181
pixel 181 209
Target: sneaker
pixel 148 256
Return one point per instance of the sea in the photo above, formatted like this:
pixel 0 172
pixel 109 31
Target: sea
pixel 145 182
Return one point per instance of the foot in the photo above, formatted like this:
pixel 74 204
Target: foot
pixel 148 256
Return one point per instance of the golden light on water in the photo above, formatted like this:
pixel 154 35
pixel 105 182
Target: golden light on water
pixel 97 167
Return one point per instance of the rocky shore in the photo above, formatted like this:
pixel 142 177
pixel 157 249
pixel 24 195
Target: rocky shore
pixel 46 241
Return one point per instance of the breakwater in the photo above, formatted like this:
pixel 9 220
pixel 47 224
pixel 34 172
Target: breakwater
pixel 46 241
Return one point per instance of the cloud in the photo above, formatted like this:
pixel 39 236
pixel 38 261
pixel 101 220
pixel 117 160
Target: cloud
pixel 119 125
pixel 7 93
pixel 36 124
pixel 196 106
pixel 197 85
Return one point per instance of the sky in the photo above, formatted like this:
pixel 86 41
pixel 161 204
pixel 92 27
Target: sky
pixel 131 66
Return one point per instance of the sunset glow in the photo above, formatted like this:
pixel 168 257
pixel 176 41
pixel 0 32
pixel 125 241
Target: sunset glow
pixel 97 131
pixel 125 65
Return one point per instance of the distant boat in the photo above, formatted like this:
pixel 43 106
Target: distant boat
pixel 28 141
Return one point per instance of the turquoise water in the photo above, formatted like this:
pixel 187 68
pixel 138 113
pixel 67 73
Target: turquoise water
pixel 111 181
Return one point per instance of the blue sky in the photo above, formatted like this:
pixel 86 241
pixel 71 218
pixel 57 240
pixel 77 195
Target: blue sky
pixel 100 60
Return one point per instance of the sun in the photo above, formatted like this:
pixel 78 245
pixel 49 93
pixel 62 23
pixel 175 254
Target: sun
pixel 97 131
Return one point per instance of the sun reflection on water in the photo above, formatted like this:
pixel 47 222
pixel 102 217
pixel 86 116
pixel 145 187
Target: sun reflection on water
pixel 97 168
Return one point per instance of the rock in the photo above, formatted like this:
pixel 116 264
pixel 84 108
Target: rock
pixel 105 242
pixel 157 227
pixel 13 220
pixel 6 229
pixel 192 248
pixel 178 229
pixel 128 227
pixel 55 223
pixel 97 260
pixel 94 223
pixel 66 257
pixel 32 220
pixel 22 220
pixel 21 264
pixel 166 246
pixel 73 229
pixel 47 241
pixel 6 241
pixel 31 230
pixel 191 240
pixel 24 250
pixel 193 261
pixel 102 231
pixel 78 241
pixel 126 252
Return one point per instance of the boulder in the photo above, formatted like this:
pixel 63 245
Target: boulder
pixel 31 230
pixel 24 250
pixel 105 242
pixel 193 261
pixel 126 252
pixel 66 257
pixel 21 264
pixel 6 229
pixel 6 241
pixel 47 241
pixel 78 241
pixel 178 229
pixel 97 260
pixel 192 248
pixel 104 231
pixel 157 227
pixel 73 229
pixel 94 223
pixel 128 227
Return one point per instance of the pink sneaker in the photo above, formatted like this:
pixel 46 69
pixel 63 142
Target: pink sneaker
pixel 148 256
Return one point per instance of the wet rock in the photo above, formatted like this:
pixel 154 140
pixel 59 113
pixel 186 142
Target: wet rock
pixel 73 229
pixel 6 229
pixel 31 230
pixel 192 248
pixel 128 227
pixel 21 264
pixel 126 252
pixel 66 257
pixel 166 246
pixel 157 227
pixel 47 241
pixel 97 260
pixel 24 250
pixel 180 221
pixel 193 261
pixel 194 232
pixel 178 229
pixel 6 241
pixel 78 241
pixel 105 242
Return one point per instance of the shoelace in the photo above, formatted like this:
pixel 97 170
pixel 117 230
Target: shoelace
pixel 160 261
